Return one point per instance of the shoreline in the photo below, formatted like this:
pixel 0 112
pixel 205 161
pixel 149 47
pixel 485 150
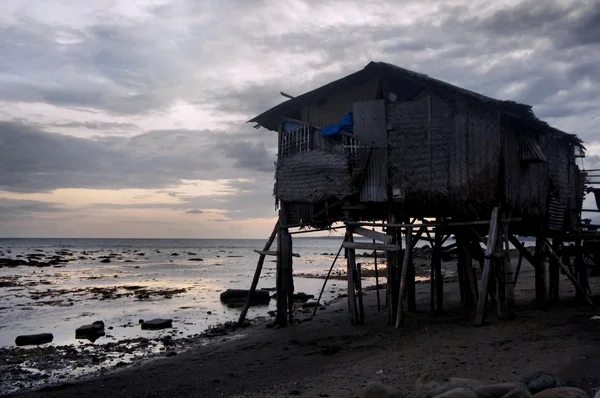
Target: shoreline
pixel 326 356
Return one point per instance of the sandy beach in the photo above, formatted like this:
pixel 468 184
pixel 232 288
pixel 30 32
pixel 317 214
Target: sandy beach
pixel 324 356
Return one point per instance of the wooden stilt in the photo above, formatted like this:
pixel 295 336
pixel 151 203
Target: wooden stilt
pixel 392 275
pixel 554 274
pixel 487 265
pixel 288 263
pixel 350 271
pixel 540 273
pixel 259 265
pixel 281 277
pixel 565 269
pixel 460 267
pixel 509 285
pixel 376 279
pixel 436 257
pixel 328 274
pixel 359 292
pixel 405 263
pixel 465 263
pixel 518 267
pixel 580 269
pixel 498 271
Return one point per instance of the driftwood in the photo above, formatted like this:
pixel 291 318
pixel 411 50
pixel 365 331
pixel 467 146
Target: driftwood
pixel 487 265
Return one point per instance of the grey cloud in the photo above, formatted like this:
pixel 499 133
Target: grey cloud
pixel 97 125
pixel 250 155
pixel 17 209
pixel 33 160
pixel 194 211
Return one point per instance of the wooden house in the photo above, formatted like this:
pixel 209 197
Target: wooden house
pixel 394 147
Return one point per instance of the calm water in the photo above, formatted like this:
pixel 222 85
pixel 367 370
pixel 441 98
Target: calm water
pixel 60 299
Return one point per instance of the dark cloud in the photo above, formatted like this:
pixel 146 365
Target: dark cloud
pixel 33 160
pixel 96 125
pixel 250 155
pixel 16 209
pixel 194 211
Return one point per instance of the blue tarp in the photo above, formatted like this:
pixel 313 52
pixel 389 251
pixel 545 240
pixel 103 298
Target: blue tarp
pixel 346 124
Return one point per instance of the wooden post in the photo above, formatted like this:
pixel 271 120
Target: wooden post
pixel 376 279
pixel 392 275
pixel 406 261
pixel 259 265
pixel 565 269
pixel 436 259
pixel 487 264
pixel 540 273
pixel 509 286
pixel 328 274
pixel 287 257
pixel 580 269
pixel 281 277
pixel 465 263
pixel 359 292
pixel 350 271
pixel 554 274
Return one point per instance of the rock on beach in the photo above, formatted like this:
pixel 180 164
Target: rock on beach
pixel 34 339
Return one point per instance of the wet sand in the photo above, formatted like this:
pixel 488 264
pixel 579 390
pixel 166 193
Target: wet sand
pixel 325 356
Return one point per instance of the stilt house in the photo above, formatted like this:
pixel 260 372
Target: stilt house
pixel 393 146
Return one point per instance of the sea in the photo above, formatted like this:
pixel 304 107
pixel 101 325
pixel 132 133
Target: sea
pixel 178 279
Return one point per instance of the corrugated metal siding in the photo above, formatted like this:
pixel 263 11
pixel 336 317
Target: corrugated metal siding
pixel 333 109
pixel 370 129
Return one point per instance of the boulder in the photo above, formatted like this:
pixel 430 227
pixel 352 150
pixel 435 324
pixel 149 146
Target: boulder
pixel 34 339
pixel 156 324
pixel 105 260
pixel 540 380
pixel 561 392
pixel 375 389
pixel 501 389
pixel 518 393
pixel 454 383
pixel 90 332
pixel 238 296
pixel 424 384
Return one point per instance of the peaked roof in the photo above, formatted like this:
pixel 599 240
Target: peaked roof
pixel 523 113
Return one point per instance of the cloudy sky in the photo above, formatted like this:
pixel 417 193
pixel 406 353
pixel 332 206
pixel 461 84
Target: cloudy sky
pixel 125 118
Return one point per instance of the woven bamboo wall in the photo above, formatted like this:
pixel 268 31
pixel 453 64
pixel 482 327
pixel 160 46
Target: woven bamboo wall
pixel 442 156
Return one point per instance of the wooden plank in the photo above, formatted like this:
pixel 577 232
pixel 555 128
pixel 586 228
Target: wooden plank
pixel 259 265
pixel 371 246
pixel 272 253
pixel 567 272
pixel 361 308
pixel 368 233
pixel 485 276
pixel 430 224
pixel 405 263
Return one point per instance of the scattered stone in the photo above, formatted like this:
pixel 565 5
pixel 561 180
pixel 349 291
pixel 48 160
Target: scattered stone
pixel 34 339
pixel 561 392
pixel 171 353
pixel 540 380
pixel 90 332
pixel 238 297
pixel 105 260
pixel 156 324
pixel 375 389
pixel 460 392
pixel 174 254
pixel 500 390
pixel 195 259
pixel 141 254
